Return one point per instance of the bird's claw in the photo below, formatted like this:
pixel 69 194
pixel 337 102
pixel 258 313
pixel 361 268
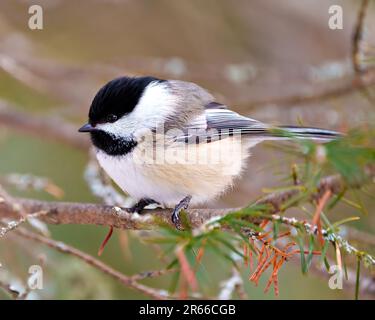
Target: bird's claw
pixel 140 205
pixel 182 205
pixel 176 219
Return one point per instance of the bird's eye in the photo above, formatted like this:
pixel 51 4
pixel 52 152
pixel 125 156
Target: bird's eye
pixel 111 118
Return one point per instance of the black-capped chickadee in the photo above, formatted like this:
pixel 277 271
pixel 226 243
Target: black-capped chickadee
pixel 169 142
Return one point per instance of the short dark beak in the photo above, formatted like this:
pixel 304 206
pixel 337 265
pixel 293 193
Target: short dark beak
pixel 86 128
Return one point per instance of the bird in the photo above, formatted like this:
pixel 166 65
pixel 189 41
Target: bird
pixel 169 142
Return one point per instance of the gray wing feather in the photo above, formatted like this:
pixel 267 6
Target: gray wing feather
pixel 218 123
pixel 225 119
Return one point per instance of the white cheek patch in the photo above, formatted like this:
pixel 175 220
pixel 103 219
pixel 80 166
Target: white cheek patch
pixel 155 106
pixel 123 127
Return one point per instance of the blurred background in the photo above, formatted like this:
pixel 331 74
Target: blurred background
pixel 263 58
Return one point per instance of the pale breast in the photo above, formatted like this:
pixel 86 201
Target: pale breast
pixel 175 171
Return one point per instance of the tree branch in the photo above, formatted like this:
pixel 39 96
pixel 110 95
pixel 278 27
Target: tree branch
pixel 357 37
pixel 354 83
pixel 129 281
pixel 366 285
pixel 105 215
pixel 57 129
pixel 51 128
pixel 13 293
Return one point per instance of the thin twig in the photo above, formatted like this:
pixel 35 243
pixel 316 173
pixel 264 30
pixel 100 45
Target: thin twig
pixel 152 274
pixel 350 85
pixel 328 235
pixel 366 285
pixel 9 290
pixel 232 285
pixel 358 37
pixel 66 249
pixel 45 128
pixel 10 226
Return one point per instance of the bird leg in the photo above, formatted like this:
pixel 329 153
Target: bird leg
pixel 141 204
pixel 182 205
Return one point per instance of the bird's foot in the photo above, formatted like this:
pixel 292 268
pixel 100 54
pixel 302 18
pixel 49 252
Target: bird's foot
pixel 141 204
pixel 182 205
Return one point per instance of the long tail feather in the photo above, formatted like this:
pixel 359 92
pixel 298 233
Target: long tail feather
pixel 308 133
